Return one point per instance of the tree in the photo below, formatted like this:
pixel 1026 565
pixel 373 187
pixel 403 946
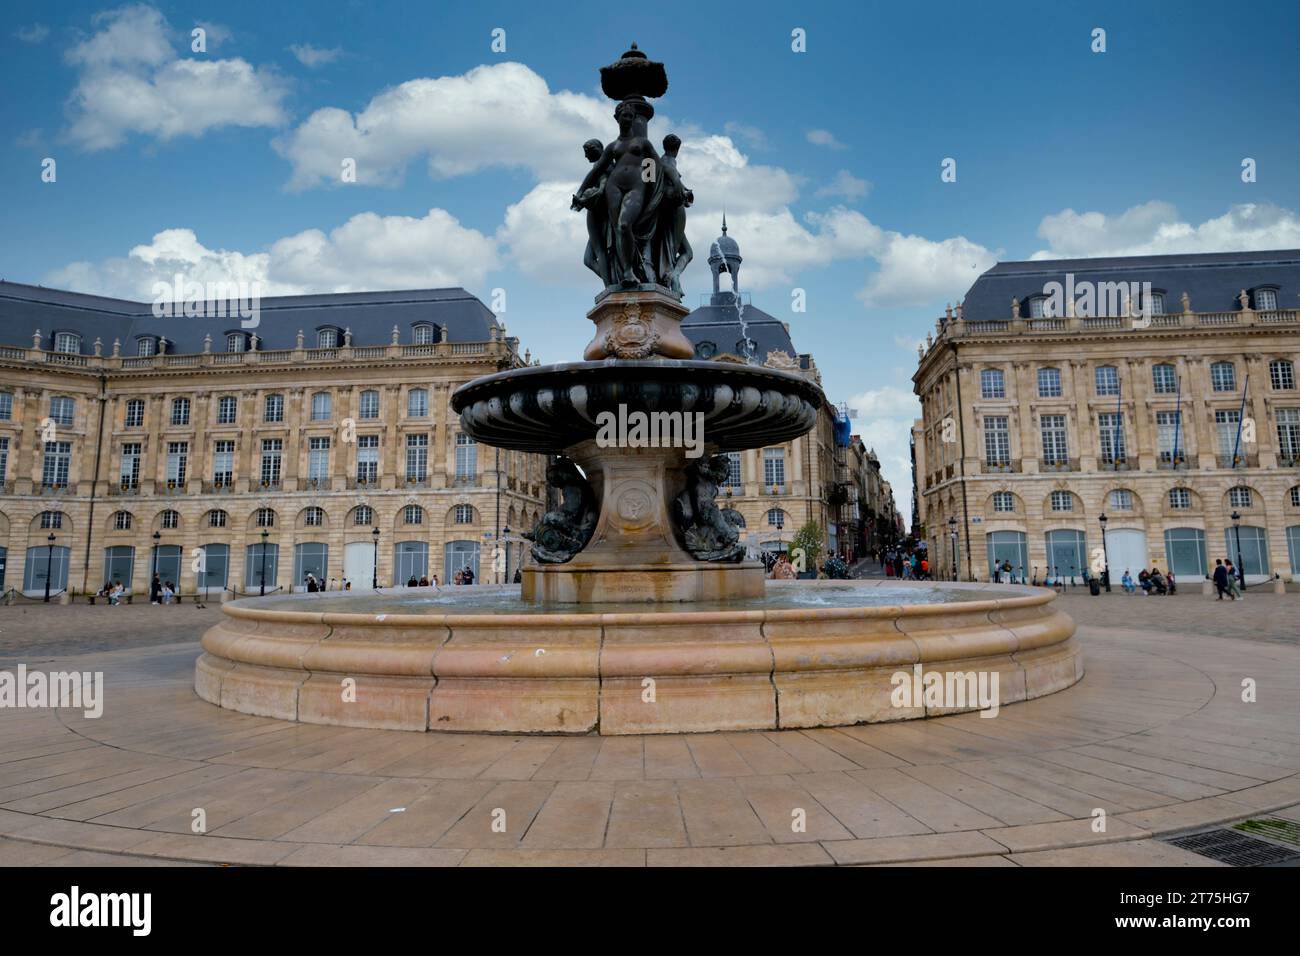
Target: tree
pixel 809 539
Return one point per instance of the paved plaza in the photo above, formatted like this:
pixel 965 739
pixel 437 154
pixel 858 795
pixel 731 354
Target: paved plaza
pixel 1156 735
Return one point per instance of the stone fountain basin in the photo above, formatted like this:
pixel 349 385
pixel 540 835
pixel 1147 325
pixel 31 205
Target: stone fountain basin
pixel 551 407
pixel 787 663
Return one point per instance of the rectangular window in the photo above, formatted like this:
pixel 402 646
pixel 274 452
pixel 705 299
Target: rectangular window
pixel 417 403
pixel 1180 498
pixel 1055 450
pixel 1225 425
pixel 274 408
pixel 1110 429
pixel 466 458
pixel 1121 500
pixel 1049 383
pixel 4 459
pixel 226 408
pixel 62 409
pixel 417 457
pixel 271 452
pixel 1266 300
pixel 992 384
pixel 1004 501
pixel 368 459
pixel 1288 433
pixel 131 464
pixel 774 467
pixel 223 462
pixel 733 470
pixel 58 462
pixel 6 406
pixel 318 458
pixel 1239 497
pixel 1223 377
pixel 1107 378
pixel 369 406
pixel 135 413
pixel 180 411
pixel 322 407
pixel 1166 431
pixel 1281 374
pixel 178 453
pixel 997 440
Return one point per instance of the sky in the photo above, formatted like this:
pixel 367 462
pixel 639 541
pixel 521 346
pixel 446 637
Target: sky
pixel 821 129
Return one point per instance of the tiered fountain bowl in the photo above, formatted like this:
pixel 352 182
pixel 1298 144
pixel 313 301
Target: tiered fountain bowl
pixel 639 613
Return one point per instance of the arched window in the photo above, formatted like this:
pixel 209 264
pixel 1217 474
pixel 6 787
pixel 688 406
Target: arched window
pixel 1180 499
pixel 776 518
pixel 364 515
pixel 51 520
pixel 265 518
pixel 1004 501
pixel 122 521
pixel 1121 499
pixel 1062 501
pixel 68 343
pixel 235 342
pixel 413 514
pixel 217 518
pixel 1265 300
pixel 1038 307
pixel 464 514
pixel 423 334
pixel 146 346
pixel 313 517
pixel 1239 497
pixel 327 339
pixel 170 520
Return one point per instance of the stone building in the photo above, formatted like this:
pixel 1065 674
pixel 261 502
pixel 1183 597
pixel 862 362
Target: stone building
pixel 1161 396
pixel 229 452
pixel 780 488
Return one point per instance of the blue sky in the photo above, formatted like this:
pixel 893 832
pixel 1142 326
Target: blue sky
pixel 225 162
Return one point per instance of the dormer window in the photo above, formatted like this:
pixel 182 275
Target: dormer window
pixel 706 350
pixel 1265 300
pixel 1157 304
pixel 68 342
pixel 1038 307
pixel 423 334
pixel 147 346
pixel 235 342
pixel 327 339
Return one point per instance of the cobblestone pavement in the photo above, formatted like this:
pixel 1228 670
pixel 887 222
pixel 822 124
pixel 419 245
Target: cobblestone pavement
pixel 1156 734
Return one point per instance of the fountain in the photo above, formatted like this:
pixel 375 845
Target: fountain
pixel 640 614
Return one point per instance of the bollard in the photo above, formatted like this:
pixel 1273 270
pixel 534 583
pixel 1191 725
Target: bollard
pixel 1207 586
pixel 1279 586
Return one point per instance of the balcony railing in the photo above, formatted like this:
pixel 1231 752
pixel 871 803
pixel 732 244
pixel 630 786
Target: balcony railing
pixel 1001 467
pixel 1063 464
pixel 219 486
pixel 124 489
pixel 1240 461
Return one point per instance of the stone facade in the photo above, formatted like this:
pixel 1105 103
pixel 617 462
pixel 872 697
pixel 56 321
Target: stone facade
pixel 232 445
pixel 1032 428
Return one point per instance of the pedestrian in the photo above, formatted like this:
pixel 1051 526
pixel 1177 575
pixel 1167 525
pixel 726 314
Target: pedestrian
pixel 519 575
pixel 1169 580
pixel 155 590
pixel 1234 585
pixel 312 588
pixel 1221 580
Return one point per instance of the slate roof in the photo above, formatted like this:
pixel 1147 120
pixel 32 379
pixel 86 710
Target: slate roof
pixel 1212 280
pixel 370 315
pixel 719 323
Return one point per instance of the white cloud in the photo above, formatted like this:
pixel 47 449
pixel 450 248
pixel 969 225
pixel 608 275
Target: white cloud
pixel 34 34
pixel 845 186
pixel 131 81
pixel 824 137
pixel 753 137
pixel 1154 228
pixel 884 420
pixel 501 115
pixel 311 56
pixel 367 252
pixel 916 271
pixel 215 33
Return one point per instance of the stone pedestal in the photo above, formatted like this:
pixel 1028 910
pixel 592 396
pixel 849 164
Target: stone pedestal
pixel 634 554
pixel 638 324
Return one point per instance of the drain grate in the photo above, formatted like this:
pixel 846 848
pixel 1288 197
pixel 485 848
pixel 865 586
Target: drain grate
pixel 1284 831
pixel 1233 848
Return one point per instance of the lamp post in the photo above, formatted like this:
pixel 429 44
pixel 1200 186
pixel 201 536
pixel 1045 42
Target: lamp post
pixel 952 533
pixel 505 543
pixel 1241 565
pixel 1105 555
pixel 157 537
pixel 265 534
pixel 374 580
pixel 49 561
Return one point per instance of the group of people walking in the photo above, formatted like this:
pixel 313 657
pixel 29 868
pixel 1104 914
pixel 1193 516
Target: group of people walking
pixel 911 565
pixel 1226 579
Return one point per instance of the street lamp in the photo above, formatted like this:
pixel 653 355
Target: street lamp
pixel 505 543
pixel 1105 555
pixel 1241 565
pixel 157 537
pixel 374 580
pixel 952 533
pixel 265 534
pixel 49 561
